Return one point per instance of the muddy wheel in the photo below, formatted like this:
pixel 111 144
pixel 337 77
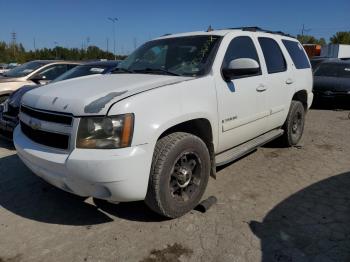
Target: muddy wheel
pixel 179 174
pixel 294 125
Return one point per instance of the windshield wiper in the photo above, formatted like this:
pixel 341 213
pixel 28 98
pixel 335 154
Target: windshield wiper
pixel 122 70
pixel 156 70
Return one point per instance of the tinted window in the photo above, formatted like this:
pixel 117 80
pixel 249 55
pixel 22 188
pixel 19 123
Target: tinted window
pixel 82 70
pixel 24 69
pixel 240 47
pixel 52 72
pixel 274 58
pixel 344 71
pixel 296 52
pixel 333 70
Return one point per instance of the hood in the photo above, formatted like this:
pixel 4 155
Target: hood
pixel 15 98
pixel 5 79
pixel 94 95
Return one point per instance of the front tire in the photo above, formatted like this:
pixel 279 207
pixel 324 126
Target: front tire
pixel 294 125
pixel 179 174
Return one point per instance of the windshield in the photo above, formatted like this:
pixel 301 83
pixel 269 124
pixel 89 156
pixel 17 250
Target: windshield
pixel 333 70
pixel 82 70
pixel 24 69
pixel 184 56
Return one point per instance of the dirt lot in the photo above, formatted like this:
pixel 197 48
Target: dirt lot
pixel 277 204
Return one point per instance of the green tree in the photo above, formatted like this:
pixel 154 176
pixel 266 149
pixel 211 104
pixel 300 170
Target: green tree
pixel 309 39
pixel 16 53
pixel 341 38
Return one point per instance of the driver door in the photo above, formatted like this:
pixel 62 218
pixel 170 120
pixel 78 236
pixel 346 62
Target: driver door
pixel 242 100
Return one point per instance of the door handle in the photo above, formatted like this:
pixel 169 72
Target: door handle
pixel 289 81
pixel 261 88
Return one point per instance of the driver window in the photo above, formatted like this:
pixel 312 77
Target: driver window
pixel 53 72
pixel 241 47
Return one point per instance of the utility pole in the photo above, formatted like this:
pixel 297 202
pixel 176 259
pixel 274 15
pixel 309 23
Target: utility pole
pixel 56 45
pixel 135 43
pixel 87 42
pixel 304 30
pixel 14 37
pixel 107 43
pixel 114 21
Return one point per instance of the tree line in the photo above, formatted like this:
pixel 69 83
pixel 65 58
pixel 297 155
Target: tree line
pixel 16 53
pixel 337 38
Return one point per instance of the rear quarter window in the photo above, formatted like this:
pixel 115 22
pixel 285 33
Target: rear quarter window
pixel 296 52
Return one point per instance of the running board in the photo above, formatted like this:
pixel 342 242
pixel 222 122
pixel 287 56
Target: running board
pixel 243 149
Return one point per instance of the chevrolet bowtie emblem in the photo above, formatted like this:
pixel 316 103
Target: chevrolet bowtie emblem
pixel 34 124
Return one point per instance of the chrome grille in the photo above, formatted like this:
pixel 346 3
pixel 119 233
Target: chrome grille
pixel 46 128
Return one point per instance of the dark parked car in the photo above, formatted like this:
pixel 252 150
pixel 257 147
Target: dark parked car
pixel 10 108
pixel 316 61
pixel 332 80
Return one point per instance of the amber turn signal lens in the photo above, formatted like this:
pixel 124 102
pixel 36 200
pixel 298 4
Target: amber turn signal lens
pixel 127 130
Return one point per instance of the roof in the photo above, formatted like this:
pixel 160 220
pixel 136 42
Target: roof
pixel 337 61
pixel 56 61
pixel 103 63
pixel 223 32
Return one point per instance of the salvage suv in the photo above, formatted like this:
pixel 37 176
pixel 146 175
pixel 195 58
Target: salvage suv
pixel 176 108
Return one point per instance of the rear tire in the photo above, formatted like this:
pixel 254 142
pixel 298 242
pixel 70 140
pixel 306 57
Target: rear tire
pixel 179 174
pixel 294 125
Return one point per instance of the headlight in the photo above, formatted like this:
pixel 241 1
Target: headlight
pixel 105 132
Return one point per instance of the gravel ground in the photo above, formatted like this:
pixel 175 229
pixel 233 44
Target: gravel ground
pixel 277 204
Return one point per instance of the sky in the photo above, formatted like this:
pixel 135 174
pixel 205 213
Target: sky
pixel 74 23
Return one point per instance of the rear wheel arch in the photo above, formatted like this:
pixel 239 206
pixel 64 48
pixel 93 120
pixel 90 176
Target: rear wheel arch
pixel 302 97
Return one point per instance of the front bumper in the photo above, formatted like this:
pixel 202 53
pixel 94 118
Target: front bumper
pixel 331 94
pixel 7 125
pixel 118 175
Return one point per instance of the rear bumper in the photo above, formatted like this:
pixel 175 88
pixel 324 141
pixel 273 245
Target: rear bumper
pixel 115 175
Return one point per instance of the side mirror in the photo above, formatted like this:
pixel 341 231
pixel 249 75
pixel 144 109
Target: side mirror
pixel 241 67
pixel 38 78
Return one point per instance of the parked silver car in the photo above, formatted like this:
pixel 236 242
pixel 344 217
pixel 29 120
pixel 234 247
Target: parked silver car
pixel 32 73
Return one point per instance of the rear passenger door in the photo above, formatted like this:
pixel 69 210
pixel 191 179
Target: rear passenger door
pixel 279 81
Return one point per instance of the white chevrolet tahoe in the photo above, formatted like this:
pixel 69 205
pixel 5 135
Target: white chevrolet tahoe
pixel 176 108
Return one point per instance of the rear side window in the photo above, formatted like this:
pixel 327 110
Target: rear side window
pixel 296 52
pixel 274 58
pixel 241 47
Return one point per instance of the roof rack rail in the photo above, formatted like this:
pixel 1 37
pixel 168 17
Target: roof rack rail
pixel 259 29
